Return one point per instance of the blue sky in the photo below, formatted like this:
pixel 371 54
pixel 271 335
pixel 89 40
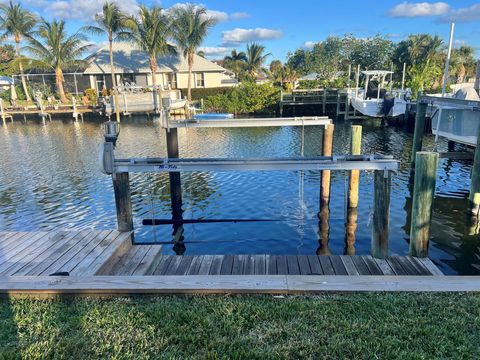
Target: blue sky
pixel 285 26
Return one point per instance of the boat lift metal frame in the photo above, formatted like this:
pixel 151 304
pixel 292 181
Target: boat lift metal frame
pixel 252 122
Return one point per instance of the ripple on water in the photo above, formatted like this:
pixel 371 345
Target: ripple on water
pixel 49 178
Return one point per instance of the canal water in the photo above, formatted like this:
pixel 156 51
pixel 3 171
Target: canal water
pixel 49 178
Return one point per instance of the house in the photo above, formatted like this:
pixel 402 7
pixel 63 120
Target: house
pixel 132 66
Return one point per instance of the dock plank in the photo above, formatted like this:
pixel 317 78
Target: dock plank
pixel 104 255
pixel 184 265
pixel 304 265
pixel 55 253
pixel 315 267
pixel 349 265
pixel 338 266
pixel 372 265
pixel 195 265
pixel 206 265
pixel 360 265
pixel 292 264
pixel 67 262
pixel 150 261
pixel 249 265
pixel 227 264
pixel 326 264
pixel 271 264
pixel 260 264
pixel 35 252
pixel 216 265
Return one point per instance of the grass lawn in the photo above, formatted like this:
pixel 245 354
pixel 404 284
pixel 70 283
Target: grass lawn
pixel 363 326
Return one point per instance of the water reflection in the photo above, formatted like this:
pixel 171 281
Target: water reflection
pixel 49 178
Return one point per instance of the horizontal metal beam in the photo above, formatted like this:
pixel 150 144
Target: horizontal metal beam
pixel 256 122
pixel 449 102
pixel 350 162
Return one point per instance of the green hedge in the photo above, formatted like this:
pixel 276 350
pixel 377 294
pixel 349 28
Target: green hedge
pixel 248 98
pixel 201 93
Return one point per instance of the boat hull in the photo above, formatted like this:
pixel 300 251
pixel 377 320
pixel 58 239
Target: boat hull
pixel 459 125
pixel 374 107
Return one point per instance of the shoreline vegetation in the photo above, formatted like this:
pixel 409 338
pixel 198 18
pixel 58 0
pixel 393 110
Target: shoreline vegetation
pixel 354 326
pixel 325 63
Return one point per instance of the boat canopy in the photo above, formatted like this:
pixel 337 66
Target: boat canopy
pixel 376 72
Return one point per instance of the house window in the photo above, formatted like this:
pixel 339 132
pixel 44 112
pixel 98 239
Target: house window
pixel 200 80
pixel 130 78
pixel 100 82
pixel 172 80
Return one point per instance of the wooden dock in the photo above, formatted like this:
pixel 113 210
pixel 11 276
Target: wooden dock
pixel 106 262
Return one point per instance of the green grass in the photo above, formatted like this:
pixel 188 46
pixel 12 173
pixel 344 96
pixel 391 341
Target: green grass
pixel 363 326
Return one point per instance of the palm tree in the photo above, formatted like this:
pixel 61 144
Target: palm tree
pixel 236 56
pixel 191 26
pixel 150 31
pixel 54 49
pixel 255 58
pixel 17 22
pixel 113 22
pixel 235 62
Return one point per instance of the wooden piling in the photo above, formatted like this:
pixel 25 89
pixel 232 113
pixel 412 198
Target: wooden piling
pixel 123 201
pixel 324 101
pixel 327 151
pixel 474 198
pixel 350 228
pixel 419 127
pixel 422 202
pixel 174 177
pixel 347 107
pixel 353 179
pixel 337 111
pixel 381 214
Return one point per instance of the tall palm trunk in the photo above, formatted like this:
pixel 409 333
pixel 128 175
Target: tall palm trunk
pixel 114 79
pixel 59 82
pixel 20 67
pixel 190 67
pixel 153 69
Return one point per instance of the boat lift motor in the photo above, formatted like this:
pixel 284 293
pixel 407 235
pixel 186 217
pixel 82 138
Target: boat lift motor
pixel 107 155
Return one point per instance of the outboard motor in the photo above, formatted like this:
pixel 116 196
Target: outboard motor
pixel 388 103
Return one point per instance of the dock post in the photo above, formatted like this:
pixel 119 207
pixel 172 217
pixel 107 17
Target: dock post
pixel 337 111
pixel 474 197
pixel 2 111
pixel 174 177
pixel 419 127
pixel 422 202
pixel 123 201
pixel 347 107
pixel 381 213
pixel 324 101
pixel 327 151
pixel 353 179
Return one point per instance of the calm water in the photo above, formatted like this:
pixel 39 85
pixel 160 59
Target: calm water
pixel 49 178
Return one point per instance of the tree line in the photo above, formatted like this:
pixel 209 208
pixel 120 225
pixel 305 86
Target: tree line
pixel 423 54
pixel 50 46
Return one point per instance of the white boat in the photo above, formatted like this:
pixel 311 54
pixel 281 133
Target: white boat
pixel 456 118
pixel 375 100
pixel 138 99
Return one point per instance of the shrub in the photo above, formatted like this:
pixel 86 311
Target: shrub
pixel 92 95
pixel 248 98
pixel 200 93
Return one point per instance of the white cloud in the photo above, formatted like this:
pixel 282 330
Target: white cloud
pixel 309 44
pixel 212 51
pixel 238 36
pixel 239 15
pixel 407 9
pixel 220 16
pixel 467 14
pixel 80 10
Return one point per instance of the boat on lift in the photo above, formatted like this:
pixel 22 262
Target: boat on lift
pixel 456 118
pixel 377 98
